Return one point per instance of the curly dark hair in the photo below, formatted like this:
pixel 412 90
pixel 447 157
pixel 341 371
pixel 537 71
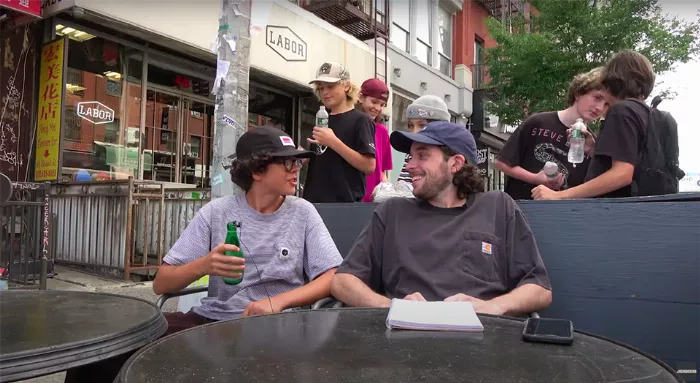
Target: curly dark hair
pixel 242 169
pixel 467 179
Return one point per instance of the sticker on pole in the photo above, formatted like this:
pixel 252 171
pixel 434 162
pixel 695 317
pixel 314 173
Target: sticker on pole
pixel 229 121
pixel 217 179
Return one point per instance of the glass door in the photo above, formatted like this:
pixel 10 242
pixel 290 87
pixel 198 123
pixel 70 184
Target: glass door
pixel 270 107
pixel 163 127
pixel 198 132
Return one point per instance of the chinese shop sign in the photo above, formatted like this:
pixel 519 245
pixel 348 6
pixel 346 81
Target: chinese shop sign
pixel 28 7
pixel 49 107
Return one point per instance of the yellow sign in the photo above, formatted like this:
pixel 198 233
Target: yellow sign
pixel 48 138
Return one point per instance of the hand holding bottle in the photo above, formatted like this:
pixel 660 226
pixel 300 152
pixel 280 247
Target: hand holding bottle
pixel 550 176
pixel 554 183
pixel 589 146
pixel 323 137
pixel 216 263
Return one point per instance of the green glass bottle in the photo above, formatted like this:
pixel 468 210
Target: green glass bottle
pixel 232 239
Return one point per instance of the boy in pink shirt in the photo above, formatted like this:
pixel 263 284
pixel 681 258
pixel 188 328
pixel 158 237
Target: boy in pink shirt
pixel 373 97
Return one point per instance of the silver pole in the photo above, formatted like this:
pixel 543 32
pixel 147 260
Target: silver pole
pixel 231 89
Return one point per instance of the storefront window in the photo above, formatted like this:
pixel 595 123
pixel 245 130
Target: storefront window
pixel 496 180
pixel 97 138
pixel 179 133
pixel 398 112
pixel 198 139
pixel 266 107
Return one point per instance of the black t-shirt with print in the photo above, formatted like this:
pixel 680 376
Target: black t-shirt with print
pixel 483 249
pixel 541 138
pixel 332 179
pixel 621 138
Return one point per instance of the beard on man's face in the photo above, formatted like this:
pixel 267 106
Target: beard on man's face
pixel 431 182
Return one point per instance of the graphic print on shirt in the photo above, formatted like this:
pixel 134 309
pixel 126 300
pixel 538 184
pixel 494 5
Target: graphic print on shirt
pixel 542 154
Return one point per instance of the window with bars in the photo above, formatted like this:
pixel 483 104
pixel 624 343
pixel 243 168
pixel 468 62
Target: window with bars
pixel 72 127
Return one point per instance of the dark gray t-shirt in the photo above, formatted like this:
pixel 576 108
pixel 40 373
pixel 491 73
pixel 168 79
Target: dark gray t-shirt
pixel 295 227
pixel 484 249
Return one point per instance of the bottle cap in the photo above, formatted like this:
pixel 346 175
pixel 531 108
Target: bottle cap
pixel 550 169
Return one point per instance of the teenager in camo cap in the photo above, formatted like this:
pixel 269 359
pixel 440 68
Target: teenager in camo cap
pixel 420 113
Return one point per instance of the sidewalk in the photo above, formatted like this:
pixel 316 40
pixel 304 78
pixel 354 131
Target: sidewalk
pixel 71 280
pixel 68 279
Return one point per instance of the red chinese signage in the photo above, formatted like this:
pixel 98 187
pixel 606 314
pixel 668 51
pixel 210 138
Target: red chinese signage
pixel 28 7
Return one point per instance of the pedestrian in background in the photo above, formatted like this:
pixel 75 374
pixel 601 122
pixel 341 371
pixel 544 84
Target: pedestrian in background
pixel 374 95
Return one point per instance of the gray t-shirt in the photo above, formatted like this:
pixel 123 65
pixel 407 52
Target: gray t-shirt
pixel 483 249
pixel 289 247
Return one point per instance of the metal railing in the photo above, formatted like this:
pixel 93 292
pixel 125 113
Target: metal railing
pixel 160 215
pixel 25 232
pixel 120 227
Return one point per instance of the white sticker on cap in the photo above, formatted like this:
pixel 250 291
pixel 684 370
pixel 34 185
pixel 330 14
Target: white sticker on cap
pixel 286 141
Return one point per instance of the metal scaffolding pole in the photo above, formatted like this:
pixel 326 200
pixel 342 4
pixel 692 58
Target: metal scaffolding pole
pixel 231 89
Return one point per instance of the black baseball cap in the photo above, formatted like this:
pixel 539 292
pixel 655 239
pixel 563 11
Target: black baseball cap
pixel 440 133
pixel 270 140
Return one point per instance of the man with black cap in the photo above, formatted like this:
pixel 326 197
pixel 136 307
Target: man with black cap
pixel 453 242
pixel 283 239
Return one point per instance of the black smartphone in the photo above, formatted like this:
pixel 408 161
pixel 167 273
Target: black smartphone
pixel 548 330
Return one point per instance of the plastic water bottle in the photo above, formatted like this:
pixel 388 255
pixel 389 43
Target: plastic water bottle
pixel 550 169
pixel 577 142
pixel 322 117
pixel 321 122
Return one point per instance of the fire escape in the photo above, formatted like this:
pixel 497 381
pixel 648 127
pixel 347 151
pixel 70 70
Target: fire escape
pixel 363 19
pixel 503 10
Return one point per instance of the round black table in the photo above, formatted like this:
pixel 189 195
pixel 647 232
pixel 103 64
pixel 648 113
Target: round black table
pixel 42 332
pixel 354 345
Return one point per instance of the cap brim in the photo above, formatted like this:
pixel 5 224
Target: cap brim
pixel 294 153
pixel 331 80
pixel 288 153
pixel 402 141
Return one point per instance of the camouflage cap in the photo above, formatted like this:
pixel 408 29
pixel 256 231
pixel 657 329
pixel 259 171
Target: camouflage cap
pixel 331 72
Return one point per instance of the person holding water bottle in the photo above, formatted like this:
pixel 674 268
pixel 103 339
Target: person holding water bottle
pixel 284 257
pixel 537 153
pixel 629 79
pixel 343 140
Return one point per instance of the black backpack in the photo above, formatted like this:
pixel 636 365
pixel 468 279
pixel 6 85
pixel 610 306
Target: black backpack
pixel 656 172
pixel 667 127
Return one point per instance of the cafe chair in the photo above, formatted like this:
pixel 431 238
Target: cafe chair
pixel 327 303
pixel 190 290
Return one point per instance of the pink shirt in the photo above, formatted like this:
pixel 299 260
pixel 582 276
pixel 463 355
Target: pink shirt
pixel 383 156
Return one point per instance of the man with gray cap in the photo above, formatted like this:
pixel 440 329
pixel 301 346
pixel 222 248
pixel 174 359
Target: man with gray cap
pixel 453 242
pixel 421 112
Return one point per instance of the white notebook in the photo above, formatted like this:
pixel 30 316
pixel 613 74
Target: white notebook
pixel 437 316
